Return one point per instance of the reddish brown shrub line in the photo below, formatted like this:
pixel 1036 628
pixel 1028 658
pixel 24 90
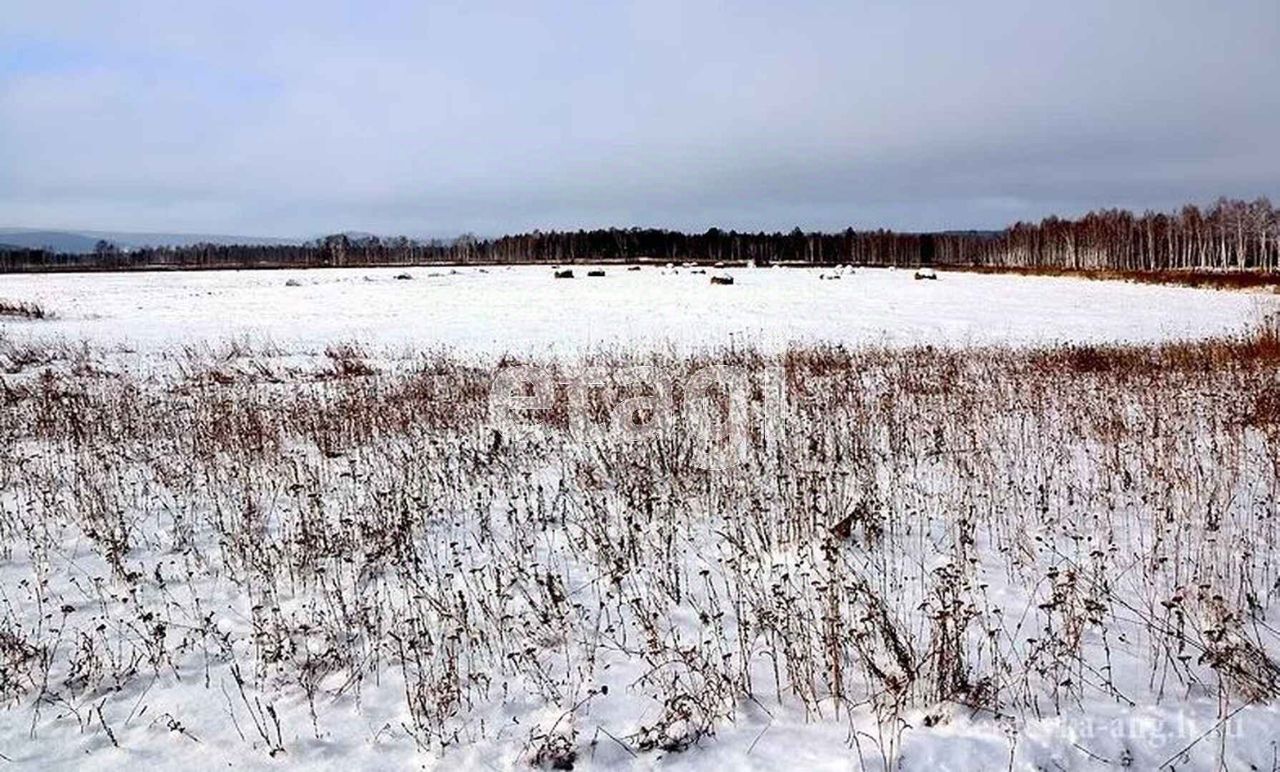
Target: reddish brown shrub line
pixel 1186 277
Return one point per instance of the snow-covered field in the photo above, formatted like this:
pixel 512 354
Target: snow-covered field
pixel 523 309
pixel 1026 558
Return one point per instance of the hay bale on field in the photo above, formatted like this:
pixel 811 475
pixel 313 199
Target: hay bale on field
pixel 565 274
pixel 595 273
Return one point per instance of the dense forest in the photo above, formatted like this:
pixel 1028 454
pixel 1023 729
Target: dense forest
pixel 1230 235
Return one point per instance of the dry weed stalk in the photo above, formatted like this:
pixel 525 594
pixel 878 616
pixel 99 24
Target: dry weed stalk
pixel 374 521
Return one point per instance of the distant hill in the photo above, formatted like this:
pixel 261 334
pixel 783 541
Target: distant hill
pixel 54 241
pixel 80 242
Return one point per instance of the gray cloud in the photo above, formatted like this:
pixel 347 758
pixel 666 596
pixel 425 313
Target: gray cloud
pixel 300 118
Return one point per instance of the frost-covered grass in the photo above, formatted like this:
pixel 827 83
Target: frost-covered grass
pixel 910 558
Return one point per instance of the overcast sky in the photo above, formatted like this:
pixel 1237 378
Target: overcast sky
pixel 434 118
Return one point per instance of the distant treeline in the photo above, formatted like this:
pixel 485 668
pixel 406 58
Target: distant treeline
pixel 1230 235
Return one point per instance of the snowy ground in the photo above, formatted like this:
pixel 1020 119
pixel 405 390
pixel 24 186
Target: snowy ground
pixel 1006 497
pixel 523 309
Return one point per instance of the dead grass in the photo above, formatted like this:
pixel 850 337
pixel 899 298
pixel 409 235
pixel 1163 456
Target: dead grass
pixel 22 309
pixel 375 520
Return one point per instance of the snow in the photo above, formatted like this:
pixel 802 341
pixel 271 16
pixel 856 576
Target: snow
pixel 523 309
pixel 177 721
